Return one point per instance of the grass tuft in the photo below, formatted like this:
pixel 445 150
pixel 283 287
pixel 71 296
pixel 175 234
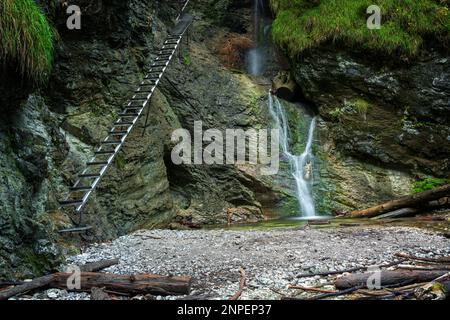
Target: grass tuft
pixel 406 24
pixel 428 184
pixel 26 39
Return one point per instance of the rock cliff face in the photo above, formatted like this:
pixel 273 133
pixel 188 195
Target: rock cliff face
pixel 48 133
pixel 384 124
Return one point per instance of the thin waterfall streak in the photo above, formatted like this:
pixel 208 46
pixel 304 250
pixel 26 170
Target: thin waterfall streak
pixel 301 166
pixel 255 57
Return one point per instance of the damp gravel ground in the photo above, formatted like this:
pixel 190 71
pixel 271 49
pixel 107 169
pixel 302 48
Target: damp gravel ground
pixel 271 258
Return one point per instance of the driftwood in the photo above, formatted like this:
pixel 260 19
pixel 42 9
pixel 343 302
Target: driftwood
pixel 415 200
pixel 433 260
pixel 314 289
pixel 98 265
pixel 400 213
pixel 427 268
pixel 241 285
pixel 88 267
pixel 387 278
pixel 337 293
pixel 326 273
pixel 126 284
pixel 26 287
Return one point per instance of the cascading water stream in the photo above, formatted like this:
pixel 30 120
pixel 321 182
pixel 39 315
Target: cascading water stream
pixel 302 166
pixel 256 56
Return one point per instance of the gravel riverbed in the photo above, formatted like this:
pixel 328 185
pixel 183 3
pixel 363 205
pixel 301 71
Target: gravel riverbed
pixel 271 258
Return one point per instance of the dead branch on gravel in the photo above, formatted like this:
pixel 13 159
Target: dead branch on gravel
pixel 433 260
pixel 99 265
pixel 241 285
pixel 326 273
pixel 337 293
pixel 314 289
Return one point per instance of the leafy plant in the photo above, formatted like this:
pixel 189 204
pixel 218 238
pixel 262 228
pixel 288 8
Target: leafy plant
pixel 26 38
pixel 428 184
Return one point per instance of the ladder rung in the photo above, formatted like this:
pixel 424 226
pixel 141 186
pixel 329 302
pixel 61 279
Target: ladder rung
pixel 147 86
pixel 118 133
pixel 161 56
pixel 139 104
pixel 162 64
pixel 75 230
pixel 97 163
pixel 140 96
pixel 105 152
pixel 143 91
pixel 128 114
pixel 83 188
pixel 70 203
pixel 111 142
pixel 123 124
pixel 89 175
pixel 138 99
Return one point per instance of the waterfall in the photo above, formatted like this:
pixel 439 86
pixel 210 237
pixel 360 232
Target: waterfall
pixel 255 57
pixel 302 166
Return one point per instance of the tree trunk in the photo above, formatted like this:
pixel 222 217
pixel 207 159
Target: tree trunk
pixel 127 284
pixel 387 278
pixel 404 212
pixel 415 200
pixel 26 287
pixel 130 284
pixel 98 265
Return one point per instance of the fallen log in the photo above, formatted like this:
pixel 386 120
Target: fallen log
pixel 327 273
pixel 88 267
pixel 433 260
pixel 427 268
pixel 400 213
pixel 415 200
pixel 387 278
pixel 99 265
pixel 26 287
pixel 126 284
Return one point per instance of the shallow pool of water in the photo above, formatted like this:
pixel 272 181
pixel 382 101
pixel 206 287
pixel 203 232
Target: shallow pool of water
pixel 436 224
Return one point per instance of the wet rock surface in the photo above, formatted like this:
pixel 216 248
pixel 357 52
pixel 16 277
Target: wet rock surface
pixel 392 115
pixel 52 133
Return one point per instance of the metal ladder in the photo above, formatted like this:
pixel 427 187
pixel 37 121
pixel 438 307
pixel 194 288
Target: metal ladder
pixel 104 155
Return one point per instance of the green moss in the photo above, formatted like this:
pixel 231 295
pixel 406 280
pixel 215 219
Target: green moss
pixel 26 38
pixel 406 24
pixel 187 60
pixel 427 184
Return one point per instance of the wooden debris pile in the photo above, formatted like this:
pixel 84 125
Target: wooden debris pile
pixel 408 278
pixel 102 286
